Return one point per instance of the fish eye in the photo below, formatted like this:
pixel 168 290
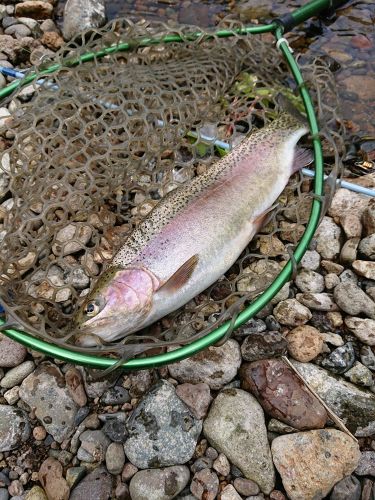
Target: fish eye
pixel 92 308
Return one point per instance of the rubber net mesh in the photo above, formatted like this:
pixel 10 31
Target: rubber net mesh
pixel 91 148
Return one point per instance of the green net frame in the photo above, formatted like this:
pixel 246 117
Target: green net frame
pixel 277 28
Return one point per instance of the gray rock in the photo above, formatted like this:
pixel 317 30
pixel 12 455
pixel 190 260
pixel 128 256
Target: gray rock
pixel 96 485
pixel 115 427
pixel 309 281
pixel 348 276
pixel 74 475
pixel 235 426
pixel 4 495
pixel 159 484
pixel 366 465
pixel 96 387
pixel 353 300
pixel 45 390
pixel 14 427
pixel 364 329
pixel 73 237
pixel 18 30
pixel 115 458
pixel 367 247
pixel 94 444
pixel 328 237
pixel 162 431
pixel 250 327
pixel 360 375
pixel 348 488
pixel 311 260
pixel 15 375
pixel 341 359
pixel 245 486
pixel 115 396
pixel 290 312
pixel 263 345
pixel 317 301
pixel 81 15
pixel 356 406
pixel 215 366
pixel 11 353
pixel 368 357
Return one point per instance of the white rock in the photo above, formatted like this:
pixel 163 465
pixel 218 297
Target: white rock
pixel 328 237
pixel 363 328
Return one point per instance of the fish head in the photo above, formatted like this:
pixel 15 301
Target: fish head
pixel 118 305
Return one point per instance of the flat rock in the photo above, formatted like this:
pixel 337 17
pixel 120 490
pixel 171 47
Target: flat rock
pixel 317 301
pixel 304 343
pixel 51 478
pixel 311 260
pixel 282 394
pixel 36 9
pixel 318 459
pixel 96 485
pixel 197 398
pixel 348 488
pixel 11 353
pixel 81 15
pixel 263 345
pixel 15 375
pixel 235 426
pixel 159 484
pixel 328 236
pixel 363 328
pixel 216 366
pixel 162 431
pixel 353 300
pixel 14 427
pixel 354 405
pixel 290 312
pixel 45 390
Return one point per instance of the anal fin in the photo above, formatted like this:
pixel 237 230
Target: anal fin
pixel 182 275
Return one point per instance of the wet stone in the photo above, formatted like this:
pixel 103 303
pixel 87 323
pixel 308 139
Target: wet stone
pixel 159 484
pixel 15 375
pixel 94 444
pixel 304 343
pixel 162 431
pixel 235 426
pixel 197 398
pixel 45 390
pixel 366 465
pixel 360 375
pixel 341 359
pixel 205 485
pixel 353 300
pixel 353 404
pixel 263 345
pixel 282 394
pixel 11 353
pixel 363 329
pixel 290 312
pixel 348 488
pixel 14 427
pixel 318 458
pixel 51 478
pixel 216 366
pixel 96 485
pixel 116 395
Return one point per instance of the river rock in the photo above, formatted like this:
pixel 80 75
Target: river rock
pixel 11 353
pixel 51 478
pixel 75 386
pixel 318 459
pixel 360 375
pixel 96 485
pixel 362 328
pixel 354 405
pixel 245 486
pixel 309 281
pixel 216 366
pixel 45 390
pixel 282 394
pixel 81 15
pixel 365 268
pixel 346 201
pixel 352 226
pixel 368 357
pixel 328 236
pixel 115 458
pixel 367 246
pixel 14 427
pixel 304 343
pixel 254 325
pixel 317 301
pixel 36 493
pixel 197 398
pixel 205 485
pixel 366 465
pixel 368 218
pixel 290 312
pixel 348 488
pixel 116 395
pixel 159 484
pixel 15 375
pixel 36 9
pixel 94 444
pixel 311 260
pixel 115 427
pixel 235 426
pixel 162 431
pixel 341 359
pixel 263 345
pixel 349 251
pixel 353 300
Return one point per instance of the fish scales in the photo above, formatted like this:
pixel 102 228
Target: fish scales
pixel 194 234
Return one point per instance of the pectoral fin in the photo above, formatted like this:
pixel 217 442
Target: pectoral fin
pixel 302 158
pixel 182 275
pixel 264 218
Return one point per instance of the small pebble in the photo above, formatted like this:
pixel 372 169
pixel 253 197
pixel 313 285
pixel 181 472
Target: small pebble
pixel 205 485
pixel 363 329
pixel 364 268
pixel 229 493
pixel 332 338
pixel 309 281
pixel 115 458
pixel 353 300
pixel 39 433
pixel 11 353
pixel 367 247
pixel 366 465
pixel 368 357
pixel 15 375
pixel 246 487
pixel 222 465
pixel 12 396
pixel 197 398
pixel 360 375
pixel 304 343
pixel 128 471
pixel 331 280
pixel 263 345
pixel 51 478
pixel 311 260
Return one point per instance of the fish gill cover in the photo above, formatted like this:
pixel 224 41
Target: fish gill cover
pixel 91 148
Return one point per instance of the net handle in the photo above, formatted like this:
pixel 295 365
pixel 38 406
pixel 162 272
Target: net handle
pixel 55 351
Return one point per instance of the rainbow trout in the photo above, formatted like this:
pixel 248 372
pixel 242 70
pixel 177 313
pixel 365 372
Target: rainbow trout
pixel 193 236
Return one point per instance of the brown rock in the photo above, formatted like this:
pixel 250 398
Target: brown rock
pixel 52 40
pixel 368 218
pixel 74 383
pixel 351 224
pixel 304 343
pixel 205 485
pixel 263 345
pixel 349 251
pixel 197 398
pixel 311 463
pixel 50 476
pixel 364 268
pixel 246 487
pixel 282 394
pixel 290 312
pixel 36 9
